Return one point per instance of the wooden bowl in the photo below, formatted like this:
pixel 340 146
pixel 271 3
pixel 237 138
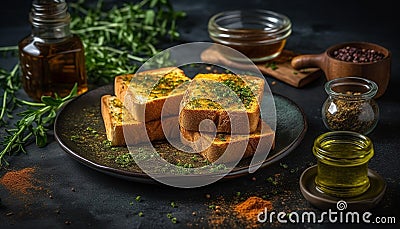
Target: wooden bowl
pixel 378 71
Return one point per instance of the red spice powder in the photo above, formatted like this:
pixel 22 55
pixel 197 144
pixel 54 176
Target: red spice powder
pixel 20 181
pixel 250 208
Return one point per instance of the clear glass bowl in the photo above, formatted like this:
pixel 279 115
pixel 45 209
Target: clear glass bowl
pixel 259 34
pixel 350 105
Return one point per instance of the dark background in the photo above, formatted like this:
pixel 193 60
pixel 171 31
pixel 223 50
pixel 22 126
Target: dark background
pixel 103 201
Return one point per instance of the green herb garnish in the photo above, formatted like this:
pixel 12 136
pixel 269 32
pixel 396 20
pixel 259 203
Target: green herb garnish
pixel 241 89
pixel 271 65
pixel 173 204
pixel 221 137
pixel 272 181
pixel 285 166
pixel 35 122
pixel 124 160
pixel 10 83
pixel 172 218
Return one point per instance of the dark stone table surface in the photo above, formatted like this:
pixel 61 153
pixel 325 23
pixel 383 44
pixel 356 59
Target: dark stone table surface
pixel 73 195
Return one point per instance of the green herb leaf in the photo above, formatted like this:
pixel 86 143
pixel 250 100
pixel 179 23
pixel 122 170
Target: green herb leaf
pixel 50 101
pixel 33 122
pixel 271 65
pixel 149 17
pixel 173 204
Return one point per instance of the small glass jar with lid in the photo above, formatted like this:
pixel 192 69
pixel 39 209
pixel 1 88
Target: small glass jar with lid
pixel 342 162
pixel 350 105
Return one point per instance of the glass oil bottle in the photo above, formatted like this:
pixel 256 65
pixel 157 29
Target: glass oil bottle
pixel 51 58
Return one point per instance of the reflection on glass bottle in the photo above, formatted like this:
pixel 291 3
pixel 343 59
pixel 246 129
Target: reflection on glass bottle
pixel 52 59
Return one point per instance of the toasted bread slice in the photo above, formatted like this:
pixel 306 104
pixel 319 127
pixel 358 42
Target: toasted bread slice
pixel 117 121
pixel 226 100
pixel 144 94
pixel 214 148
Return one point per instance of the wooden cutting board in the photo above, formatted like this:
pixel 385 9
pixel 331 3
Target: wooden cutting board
pixel 279 68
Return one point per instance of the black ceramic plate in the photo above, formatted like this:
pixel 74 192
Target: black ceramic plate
pixel 80 132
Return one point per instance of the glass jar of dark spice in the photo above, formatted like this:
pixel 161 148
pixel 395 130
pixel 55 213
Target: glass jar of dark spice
pixel 51 58
pixel 350 105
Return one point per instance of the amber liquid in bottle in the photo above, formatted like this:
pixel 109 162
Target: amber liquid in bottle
pixel 49 68
pixel 51 58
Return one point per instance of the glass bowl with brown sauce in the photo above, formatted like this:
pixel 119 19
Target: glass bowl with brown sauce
pixel 259 34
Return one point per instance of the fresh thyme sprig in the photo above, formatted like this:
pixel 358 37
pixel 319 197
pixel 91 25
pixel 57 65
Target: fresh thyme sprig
pixel 10 82
pixel 34 122
pixel 118 40
pixel 8 49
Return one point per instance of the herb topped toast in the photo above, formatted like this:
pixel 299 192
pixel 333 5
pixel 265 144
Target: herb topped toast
pixel 225 148
pixel 118 120
pixel 144 94
pixel 227 100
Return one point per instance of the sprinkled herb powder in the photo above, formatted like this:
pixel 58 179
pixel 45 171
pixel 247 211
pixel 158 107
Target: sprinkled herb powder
pixel 88 136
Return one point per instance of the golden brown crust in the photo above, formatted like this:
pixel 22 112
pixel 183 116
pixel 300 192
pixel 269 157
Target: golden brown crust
pixel 112 131
pixel 190 119
pixel 152 108
pixel 135 129
pixel 213 148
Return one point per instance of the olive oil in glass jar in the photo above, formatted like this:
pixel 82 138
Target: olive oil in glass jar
pixel 342 161
pixel 51 58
